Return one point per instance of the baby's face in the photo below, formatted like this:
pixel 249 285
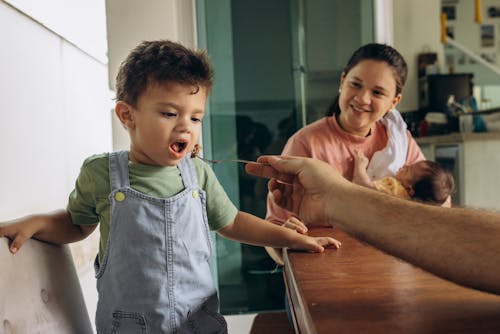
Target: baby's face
pixel 409 174
pixel 166 123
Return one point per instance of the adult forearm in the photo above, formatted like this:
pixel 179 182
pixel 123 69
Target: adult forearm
pixel 458 244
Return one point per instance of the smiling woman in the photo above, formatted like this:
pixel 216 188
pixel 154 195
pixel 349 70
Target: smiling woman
pixel 370 88
pixel 369 92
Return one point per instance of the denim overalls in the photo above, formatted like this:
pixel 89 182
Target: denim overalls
pixel 155 275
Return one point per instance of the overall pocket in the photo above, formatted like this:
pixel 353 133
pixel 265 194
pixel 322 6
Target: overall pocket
pixel 128 323
pixel 206 319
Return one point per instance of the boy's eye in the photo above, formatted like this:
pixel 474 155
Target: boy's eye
pixel 196 120
pixel 168 114
pixel 378 92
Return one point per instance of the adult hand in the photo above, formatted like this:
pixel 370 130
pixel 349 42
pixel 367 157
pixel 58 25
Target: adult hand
pixel 305 186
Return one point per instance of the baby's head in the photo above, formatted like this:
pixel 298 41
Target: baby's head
pixel 161 90
pixel 427 181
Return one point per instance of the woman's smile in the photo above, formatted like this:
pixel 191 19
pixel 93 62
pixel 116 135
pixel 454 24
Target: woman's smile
pixel 359 109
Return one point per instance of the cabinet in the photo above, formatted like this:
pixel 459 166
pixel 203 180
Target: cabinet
pixel 475 163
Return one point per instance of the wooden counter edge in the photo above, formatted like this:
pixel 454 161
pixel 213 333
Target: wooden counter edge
pixel 302 321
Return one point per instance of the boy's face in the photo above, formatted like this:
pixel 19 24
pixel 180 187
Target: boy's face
pixel 165 124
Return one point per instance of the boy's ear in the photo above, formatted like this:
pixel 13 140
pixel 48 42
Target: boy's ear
pixel 125 114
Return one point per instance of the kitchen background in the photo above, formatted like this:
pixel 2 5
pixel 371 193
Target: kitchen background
pixel 278 64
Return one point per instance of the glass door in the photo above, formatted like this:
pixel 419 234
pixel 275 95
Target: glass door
pixel 324 35
pixel 278 65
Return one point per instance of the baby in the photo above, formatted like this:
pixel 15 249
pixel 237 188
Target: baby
pixel 425 181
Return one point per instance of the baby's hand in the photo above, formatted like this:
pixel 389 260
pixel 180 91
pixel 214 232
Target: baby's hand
pixel 360 160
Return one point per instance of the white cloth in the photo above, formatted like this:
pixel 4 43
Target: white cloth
pixel 392 157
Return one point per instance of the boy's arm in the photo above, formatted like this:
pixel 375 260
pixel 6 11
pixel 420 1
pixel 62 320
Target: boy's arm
pixel 251 230
pixel 292 223
pixel 55 227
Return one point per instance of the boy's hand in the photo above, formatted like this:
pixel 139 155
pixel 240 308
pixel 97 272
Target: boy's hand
pixel 55 227
pixel 18 232
pixel 315 244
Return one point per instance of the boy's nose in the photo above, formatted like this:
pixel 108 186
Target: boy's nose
pixel 183 125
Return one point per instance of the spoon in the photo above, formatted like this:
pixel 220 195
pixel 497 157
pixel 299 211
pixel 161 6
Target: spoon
pixel 242 161
pixel 232 160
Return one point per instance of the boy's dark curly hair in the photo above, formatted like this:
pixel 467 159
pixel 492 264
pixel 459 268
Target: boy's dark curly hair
pixel 161 61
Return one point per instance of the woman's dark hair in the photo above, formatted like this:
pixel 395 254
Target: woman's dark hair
pixel 435 184
pixel 378 52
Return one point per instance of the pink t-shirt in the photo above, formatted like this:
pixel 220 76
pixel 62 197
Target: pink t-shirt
pixel 325 140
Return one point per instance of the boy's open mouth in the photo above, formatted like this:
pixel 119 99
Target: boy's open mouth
pixel 178 146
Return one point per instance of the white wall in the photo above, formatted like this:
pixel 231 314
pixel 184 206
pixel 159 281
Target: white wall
pixel 417 29
pixel 467 32
pixel 70 20
pixel 55 111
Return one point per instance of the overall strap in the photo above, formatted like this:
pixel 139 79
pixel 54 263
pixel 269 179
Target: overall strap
pixel 118 170
pixel 188 173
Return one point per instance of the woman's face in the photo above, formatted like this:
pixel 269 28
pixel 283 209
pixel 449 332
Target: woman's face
pixel 367 92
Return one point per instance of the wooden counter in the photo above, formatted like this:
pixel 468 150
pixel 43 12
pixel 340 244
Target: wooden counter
pixel 359 289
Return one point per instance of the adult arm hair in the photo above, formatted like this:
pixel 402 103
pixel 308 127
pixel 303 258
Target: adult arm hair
pixel 461 245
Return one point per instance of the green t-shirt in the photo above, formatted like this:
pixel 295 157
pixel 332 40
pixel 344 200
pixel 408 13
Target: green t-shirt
pixel 89 202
